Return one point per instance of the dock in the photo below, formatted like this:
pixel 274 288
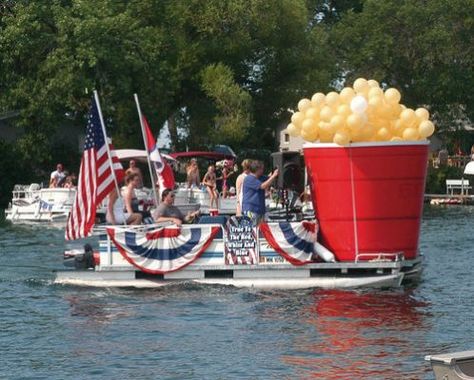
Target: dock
pixel 449 199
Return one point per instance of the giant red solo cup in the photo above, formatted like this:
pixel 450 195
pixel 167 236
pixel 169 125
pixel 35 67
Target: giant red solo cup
pixel 368 197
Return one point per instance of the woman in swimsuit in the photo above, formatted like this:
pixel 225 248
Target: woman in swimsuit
pixel 192 172
pixel 226 173
pixel 209 181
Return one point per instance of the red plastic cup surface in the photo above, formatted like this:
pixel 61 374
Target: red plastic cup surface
pixel 368 198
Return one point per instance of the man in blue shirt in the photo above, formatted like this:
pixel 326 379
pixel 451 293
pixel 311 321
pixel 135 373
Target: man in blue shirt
pixel 253 191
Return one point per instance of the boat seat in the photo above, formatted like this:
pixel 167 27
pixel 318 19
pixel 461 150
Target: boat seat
pixel 218 219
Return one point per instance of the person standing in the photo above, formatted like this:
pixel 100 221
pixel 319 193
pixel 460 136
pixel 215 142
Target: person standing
pixel 254 187
pixel 193 178
pixel 133 168
pixel 209 181
pixel 238 185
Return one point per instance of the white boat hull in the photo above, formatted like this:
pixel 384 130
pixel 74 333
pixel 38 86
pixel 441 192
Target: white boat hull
pixel 127 279
pixel 272 271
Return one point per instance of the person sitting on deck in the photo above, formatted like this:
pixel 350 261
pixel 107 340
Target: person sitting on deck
pixel 168 212
pixel 116 214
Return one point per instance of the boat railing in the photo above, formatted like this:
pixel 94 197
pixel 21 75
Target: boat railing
pixel 25 191
pixel 380 256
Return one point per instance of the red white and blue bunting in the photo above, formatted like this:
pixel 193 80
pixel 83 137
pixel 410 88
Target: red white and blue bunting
pixel 294 241
pixel 162 250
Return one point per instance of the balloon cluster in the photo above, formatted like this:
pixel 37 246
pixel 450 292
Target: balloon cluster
pixel 364 112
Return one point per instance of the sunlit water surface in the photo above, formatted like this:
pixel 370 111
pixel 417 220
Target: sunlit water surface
pixel 199 332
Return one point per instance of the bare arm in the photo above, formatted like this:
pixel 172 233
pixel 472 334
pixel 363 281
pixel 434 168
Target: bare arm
pixel 110 206
pixel 265 185
pixel 127 199
pixel 238 186
pixel 176 221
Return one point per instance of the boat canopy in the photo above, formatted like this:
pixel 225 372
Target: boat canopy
pixel 137 154
pixel 203 154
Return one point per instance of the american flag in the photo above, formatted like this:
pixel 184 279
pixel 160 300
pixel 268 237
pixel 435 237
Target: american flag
pixel 96 179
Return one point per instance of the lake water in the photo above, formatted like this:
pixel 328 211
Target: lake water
pixel 215 332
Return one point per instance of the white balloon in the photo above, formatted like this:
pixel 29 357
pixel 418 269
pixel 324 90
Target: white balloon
pixel 358 104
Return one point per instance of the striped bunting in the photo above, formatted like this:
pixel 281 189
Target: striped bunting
pixel 162 250
pixel 293 241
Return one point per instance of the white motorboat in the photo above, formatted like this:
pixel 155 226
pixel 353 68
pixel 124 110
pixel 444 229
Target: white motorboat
pixel 32 203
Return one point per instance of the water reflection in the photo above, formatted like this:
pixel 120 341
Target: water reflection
pixel 97 309
pixel 362 335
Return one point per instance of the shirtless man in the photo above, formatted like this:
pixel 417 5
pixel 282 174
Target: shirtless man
pixel 209 181
pixel 133 168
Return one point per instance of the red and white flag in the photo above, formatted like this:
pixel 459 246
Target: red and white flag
pixel 162 168
pixel 96 179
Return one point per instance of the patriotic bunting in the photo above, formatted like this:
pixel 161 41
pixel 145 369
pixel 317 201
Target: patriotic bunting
pixel 294 241
pixel 162 250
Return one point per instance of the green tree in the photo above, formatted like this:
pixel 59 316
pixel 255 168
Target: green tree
pixel 423 48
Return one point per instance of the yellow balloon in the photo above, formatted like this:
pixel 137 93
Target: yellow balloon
pixel 318 99
pixel 304 104
pixel 297 118
pixel 376 102
pixel 368 132
pixel 410 134
pixel 358 136
pixel 312 113
pixel 422 113
pixel 373 83
pixel 375 92
pixel 326 137
pixel 384 111
pixel 293 130
pixel 392 96
pixel 308 124
pixel 326 113
pixel 337 122
pixel 397 128
pixel 327 128
pixel 332 99
pixel 361 85
pixel 309 135
pixel 344 110
pixel 346 95
pixel 395 110
pixel 408 117
pixel 383 134
pixel 341 138
pixel 396 138
pixel 426 129
pixel 355 121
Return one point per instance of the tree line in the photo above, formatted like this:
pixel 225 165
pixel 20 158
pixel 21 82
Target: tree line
pixel 219 71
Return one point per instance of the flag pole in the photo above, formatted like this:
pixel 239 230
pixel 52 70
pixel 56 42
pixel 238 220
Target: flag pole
pixel 146 148
pixel 109 155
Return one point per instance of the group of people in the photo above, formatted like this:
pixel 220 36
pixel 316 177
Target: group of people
pixel 251 186
pixel 59 178
pixel 209 181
